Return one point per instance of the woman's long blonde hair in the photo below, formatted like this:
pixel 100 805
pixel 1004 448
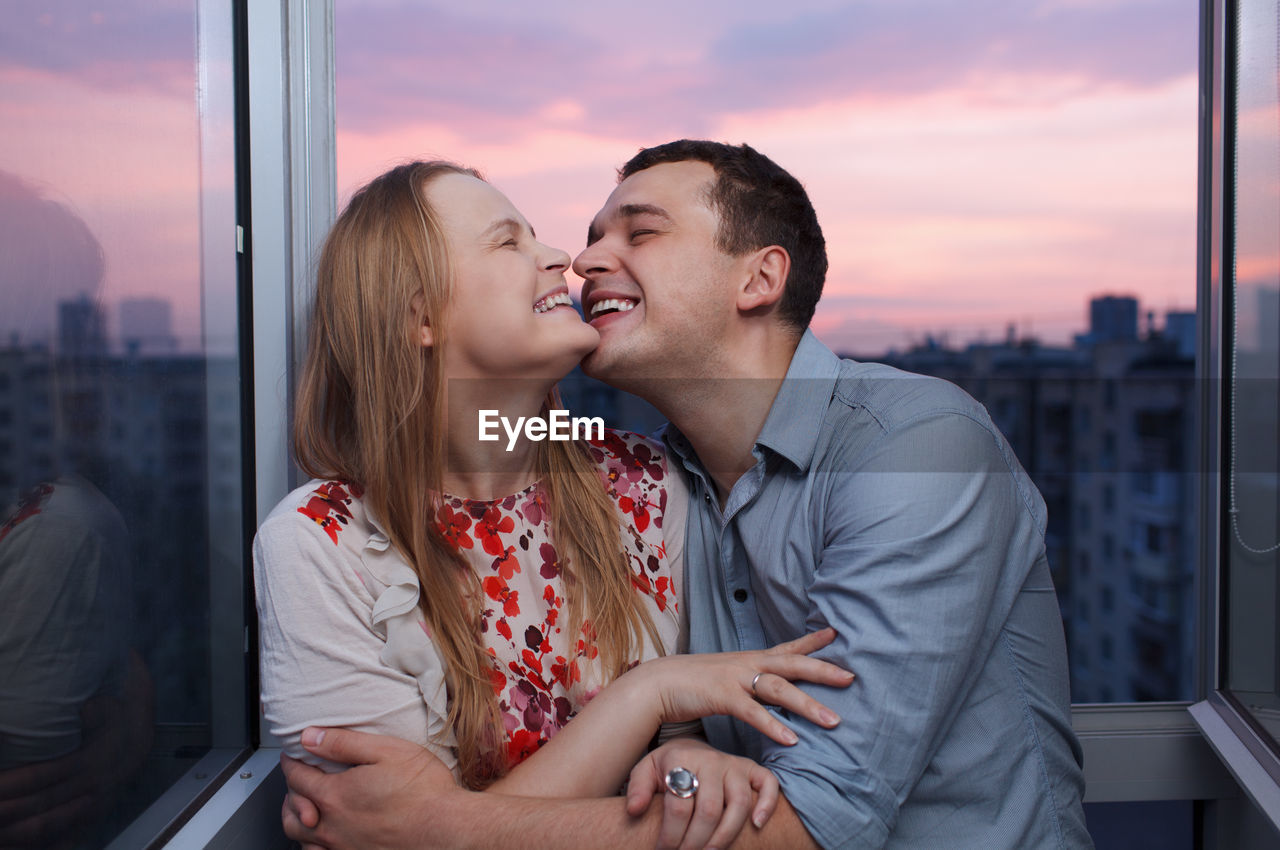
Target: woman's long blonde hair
pixel 370 411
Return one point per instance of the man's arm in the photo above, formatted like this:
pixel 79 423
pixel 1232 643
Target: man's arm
pixel 927 541
pixel 399 797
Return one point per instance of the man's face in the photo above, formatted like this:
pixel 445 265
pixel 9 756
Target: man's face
pixel 656 288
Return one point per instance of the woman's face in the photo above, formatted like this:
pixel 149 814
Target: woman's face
pixel 509 311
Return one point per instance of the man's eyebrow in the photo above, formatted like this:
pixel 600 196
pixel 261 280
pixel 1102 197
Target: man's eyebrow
pixel 633 210
pixel 627 211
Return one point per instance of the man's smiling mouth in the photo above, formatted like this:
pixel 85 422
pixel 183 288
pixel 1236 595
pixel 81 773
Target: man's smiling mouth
pixel 611 305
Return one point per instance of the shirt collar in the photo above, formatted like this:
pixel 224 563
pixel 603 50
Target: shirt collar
pixel 795 417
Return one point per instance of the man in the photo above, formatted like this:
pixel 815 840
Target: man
pixel 824 492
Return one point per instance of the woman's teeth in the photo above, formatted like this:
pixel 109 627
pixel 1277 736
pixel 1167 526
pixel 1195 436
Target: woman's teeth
pixel 610 305
pixel 553 301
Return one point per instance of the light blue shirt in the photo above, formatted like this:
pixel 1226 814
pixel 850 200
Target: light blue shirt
pixel 888 506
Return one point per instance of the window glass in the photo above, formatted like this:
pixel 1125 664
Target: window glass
pixel 1009 206
pixel 120 497
pixel 1252 550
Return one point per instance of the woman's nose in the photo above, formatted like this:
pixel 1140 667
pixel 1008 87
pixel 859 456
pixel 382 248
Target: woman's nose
pixel 554 260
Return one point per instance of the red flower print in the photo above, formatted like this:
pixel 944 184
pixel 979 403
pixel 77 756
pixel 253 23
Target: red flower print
pixel 327 508
pixel 534 507
pixel 490 526
pixel 29 504
pixel 550 562
pixel 504 628
pixel 498 591
pixel 506 564
pixel 533 662
pixel 523 744
pixel 454 525
pixel 642 463
pixel 638 508
pixel 533 638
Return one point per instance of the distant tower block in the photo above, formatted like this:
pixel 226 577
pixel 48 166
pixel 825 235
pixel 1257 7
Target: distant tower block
pixel 146 326
pixel 81 328
pixel 1113 318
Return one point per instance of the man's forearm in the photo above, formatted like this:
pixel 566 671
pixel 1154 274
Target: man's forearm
pixel 491 820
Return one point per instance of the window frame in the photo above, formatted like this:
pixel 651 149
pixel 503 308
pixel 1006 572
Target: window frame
pixel 1218 716
pixel 1132 752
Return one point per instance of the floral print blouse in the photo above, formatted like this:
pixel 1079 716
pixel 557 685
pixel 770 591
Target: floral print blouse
pixel 320 538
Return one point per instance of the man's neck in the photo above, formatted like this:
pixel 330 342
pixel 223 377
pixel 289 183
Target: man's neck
pixel 722 417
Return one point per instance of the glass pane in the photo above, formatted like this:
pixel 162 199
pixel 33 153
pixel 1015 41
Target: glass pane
pixel 119 410
pixel 1004 207
pixel 1253 540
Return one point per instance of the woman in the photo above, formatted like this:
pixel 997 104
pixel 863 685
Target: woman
pixel 468 594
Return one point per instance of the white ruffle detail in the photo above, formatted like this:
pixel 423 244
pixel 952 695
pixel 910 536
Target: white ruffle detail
pixel 398 619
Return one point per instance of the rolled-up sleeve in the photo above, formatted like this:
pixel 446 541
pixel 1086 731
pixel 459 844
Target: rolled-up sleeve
pixel 925 539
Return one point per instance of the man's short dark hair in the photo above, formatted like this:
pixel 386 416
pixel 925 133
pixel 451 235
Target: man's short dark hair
pixel 759 204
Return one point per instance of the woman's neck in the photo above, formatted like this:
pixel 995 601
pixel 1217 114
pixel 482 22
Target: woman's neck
pixel 505 462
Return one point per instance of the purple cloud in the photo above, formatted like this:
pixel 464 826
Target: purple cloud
pixel 124 45
pixel 487 78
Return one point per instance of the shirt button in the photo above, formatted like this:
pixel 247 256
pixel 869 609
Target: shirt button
pixel 706 497
pixel 740 595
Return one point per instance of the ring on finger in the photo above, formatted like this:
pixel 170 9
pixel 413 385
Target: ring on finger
pixel 682 782
pixel 755 681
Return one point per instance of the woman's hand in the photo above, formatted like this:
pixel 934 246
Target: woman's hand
pixel 729 788
pixel 736 683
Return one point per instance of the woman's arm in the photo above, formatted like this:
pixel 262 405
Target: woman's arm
pixel 321 657
pixel 593 754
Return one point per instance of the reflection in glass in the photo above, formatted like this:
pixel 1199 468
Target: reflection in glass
pixel 1253 554
pixel 106 382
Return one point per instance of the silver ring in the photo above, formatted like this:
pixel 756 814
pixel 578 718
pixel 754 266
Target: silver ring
pixel 754 681
pixel 682 782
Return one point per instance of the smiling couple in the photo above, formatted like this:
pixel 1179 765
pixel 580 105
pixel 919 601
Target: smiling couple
pixel 528 630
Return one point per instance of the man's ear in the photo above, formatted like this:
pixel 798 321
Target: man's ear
pixel 767 271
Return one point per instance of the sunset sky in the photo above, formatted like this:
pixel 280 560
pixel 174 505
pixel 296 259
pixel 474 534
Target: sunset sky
pixel 972 163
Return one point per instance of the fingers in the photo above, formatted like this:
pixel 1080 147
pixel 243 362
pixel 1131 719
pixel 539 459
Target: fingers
pixel 737 805
pixel 777 691
pixel 303 809
pixel 708 807
pixel 293 828
pixel 805 644
pixel 676 812
pixel 349 747
pixel 754 714
pixel 803 668
pixel 641 786
pixel 303 779
pixel 765 784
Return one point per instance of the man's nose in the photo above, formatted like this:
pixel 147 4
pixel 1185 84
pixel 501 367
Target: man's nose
pixel 593 260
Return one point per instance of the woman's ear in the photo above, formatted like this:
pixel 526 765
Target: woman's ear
pixel 426 336
pixel 767 269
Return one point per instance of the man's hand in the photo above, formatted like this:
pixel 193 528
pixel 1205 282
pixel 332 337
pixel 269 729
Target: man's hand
pixel 385 801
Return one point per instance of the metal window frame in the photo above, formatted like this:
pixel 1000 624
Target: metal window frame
pixel 1218 716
